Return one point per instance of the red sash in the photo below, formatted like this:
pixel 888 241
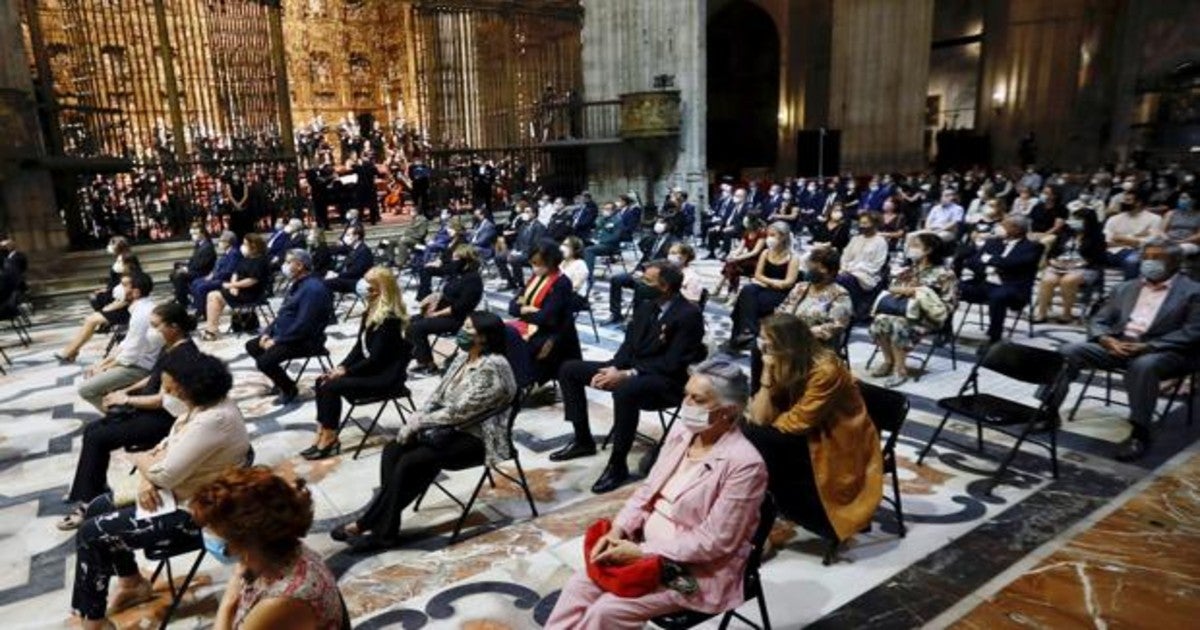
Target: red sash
pixel 534 295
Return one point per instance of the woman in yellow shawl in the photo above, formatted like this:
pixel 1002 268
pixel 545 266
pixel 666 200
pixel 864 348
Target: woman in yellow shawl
pixel 810 424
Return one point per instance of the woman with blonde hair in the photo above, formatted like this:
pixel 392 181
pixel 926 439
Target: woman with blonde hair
pixel 374 367
pixel 809 422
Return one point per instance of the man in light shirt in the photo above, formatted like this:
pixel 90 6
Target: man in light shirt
pixel 130 361
pixel 1150 328
pixel 943 219
pixel 1126 232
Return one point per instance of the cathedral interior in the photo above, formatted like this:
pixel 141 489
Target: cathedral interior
pixel 949 197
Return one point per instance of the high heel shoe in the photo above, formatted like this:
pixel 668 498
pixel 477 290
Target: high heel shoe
pixel 314 453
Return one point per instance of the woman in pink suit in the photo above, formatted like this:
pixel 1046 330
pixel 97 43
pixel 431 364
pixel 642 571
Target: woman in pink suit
pixel 697 509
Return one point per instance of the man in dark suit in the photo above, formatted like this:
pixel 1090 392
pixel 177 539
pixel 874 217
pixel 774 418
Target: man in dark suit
pixel 629 214
pixel 483 236
pixel 14 260
pixel 298 329
pixel 1150 328
pixel 283 240
pixel 356 264
pixel 204 258
pixel 528 235
pixel 1004 270
pixel 653 248
pixel 728 226
pixel 584 218
pixel 648 371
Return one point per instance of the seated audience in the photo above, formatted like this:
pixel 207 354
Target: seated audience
pixel 132 359
pixel 228 257
pixel 319 250
pixel 299 327
pixel 945 219
pixel 728 225
pixel 1181 225
pixel 648 371
pixel 653 248
pixel 121 251
pixel 1048 222
pixel 204 258
pixel 451 429
pixel 1080 264
pixel 743 261
pixel 209 436
pixel 114 313
pixel 862 262
pixel 12 259
pixel 442 263
pixel 823 456
pixel 483 234
pixel 1003 272
pixel 358 259
pixel 1150 328
pixel 1126 232
pixel 546 322
pixel 834 231
pixel 683 255
pixel 444 311
pixel 574 267
pixel 822 303
pixel 529 233
pixel 134 417
pixel 607 238
pixel 375 365
pixel 414 236
pixel 978 233
pixel 696 511
pixel 776 274
pixel 257 520
pixel 918 302
pixel 249 285
pixel 283 240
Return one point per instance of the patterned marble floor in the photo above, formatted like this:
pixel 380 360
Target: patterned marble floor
pixel 507 573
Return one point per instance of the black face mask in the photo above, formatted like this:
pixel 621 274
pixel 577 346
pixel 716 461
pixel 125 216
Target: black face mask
pixel 817 276
pixel 645 291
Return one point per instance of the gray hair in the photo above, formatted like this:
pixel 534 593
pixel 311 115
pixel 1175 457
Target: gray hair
pixel 1173 250
pixel 728 380
pixel 302 256
pixel 227 237
pixel 1020 222
pixel 784 229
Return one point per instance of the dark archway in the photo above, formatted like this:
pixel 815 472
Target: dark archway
pixel 743 88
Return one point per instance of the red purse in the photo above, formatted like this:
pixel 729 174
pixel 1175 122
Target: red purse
pixel 636 579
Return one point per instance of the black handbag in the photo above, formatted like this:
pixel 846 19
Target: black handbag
pixel 890 304
pixel 435 436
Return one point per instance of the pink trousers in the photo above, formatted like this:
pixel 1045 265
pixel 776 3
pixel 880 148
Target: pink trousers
pixel 583 606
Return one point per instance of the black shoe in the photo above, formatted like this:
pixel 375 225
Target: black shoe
pixel 1132 449
pixel 573 450
pixel 286 398
pixel 313 453
pixel 647 462
pixel 614 476
pixel 710 256
pixel 340 534
pixel 371 543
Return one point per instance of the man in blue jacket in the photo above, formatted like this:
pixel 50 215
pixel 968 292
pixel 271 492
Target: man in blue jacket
pixel 298 329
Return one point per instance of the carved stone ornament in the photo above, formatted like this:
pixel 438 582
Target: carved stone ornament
pixel 650 114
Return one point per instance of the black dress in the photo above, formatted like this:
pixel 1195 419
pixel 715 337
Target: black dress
pixel 257 267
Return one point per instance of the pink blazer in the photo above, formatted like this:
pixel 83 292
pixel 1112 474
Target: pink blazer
pixel 715 515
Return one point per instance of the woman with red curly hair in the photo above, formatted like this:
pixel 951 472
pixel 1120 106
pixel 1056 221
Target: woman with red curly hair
pixel 256 519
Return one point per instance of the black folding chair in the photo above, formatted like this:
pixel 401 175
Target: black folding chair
pixel 662 420
pixel 354 302
pixel 322 357
pixel 940 339
pixel 116 336
pixel 1036 366
pixel 394 396
pixel 1025 312
pixel 1108 400
pixel 583 304
pixel 751 583
pixel 888 410
pixel 514 408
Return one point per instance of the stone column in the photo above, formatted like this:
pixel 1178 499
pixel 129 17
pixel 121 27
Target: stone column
pixel 626 43
pixel 27 207
pixel 878 79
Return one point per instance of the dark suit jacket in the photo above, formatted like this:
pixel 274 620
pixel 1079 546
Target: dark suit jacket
pixel 18 263
pixel 664 347
pixel 655 249
pixel 1017 270
pixel 528 237
pixel 277 245
pixel 389 354
pixel 555 321
pixel 462 293
pixel 357 263
pixel 204 258
pixel 631 220
pixel 1175 328
pixel 584 220
pixel 484 237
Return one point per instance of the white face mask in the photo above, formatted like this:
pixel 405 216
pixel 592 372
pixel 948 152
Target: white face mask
pixel 111 249
pixel 174 405
pixel 155 338
pixel 566 251
pixel 695 419
pixel 245 251
pixel 348 240
pixel 772 242
pixel 999 232
pixel 675 259
pixel 660 227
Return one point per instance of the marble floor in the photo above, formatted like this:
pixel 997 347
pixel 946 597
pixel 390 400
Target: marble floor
pixel 507 570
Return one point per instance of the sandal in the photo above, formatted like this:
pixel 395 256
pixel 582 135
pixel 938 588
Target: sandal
pixel 208 335
pixel 64 358
pixel 881 370
pixel 71 521
pixel 896 381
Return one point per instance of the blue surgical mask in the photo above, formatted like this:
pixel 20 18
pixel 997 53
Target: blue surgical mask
pixel 362 287
pixel 218 549
pixel 1154 270
pixel 1184 204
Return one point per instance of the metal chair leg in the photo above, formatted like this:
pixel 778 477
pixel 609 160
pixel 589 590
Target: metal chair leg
pixel 933 438
pixel 467 510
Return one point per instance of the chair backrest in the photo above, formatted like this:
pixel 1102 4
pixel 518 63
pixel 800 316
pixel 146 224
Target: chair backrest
pixel 758 541
pixel 1023 363
pixel 888 409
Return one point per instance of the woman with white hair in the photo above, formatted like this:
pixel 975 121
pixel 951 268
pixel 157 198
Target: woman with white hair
pixel 777 271
pixel 694 516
